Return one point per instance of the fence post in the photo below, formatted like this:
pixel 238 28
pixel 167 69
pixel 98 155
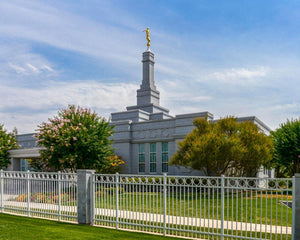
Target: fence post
pixel 117 200
pixel 222 206
pixel 296 207
pixel 59 194
pixel 93 199
pixel 84 193
pixel 28 193
pixel 165 202
pixel 2 191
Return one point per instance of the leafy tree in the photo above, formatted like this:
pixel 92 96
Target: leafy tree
pixel 287 148
pixel 7 142
pixel 76 139
pixel 224 147
pixel 256 149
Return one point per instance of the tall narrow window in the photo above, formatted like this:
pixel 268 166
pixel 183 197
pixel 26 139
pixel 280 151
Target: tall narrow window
pixel 152 157
pixel 142 157
pixel 164 156
pixel 23 165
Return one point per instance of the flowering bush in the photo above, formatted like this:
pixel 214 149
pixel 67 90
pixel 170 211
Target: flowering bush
pixel 22 198
pixel 38 198
pixel 113 164
pixel 64 197
pixel 50 197
pixel 76 139
pixel 7 142
pixel 53 199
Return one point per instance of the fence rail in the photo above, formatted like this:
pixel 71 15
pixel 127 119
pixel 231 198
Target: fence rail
pixel 46 195
pixel 193 207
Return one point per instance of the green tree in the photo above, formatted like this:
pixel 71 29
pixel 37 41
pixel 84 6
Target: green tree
pixel 256 149
pixel 287 148
pixel 224 147
pixel 7 142
pixel 76 139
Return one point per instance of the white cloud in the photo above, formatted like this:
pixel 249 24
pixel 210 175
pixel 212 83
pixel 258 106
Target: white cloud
pixel 33 68
pixel 45 24
pixel 19 62
pixel 47 68
pixel 190 82
pixel 240 75
pixel 25 108
pixel 182 91
pixel 24 122
pixel 18 69
pixel 114 44
pixel 281 107
pixel 30 69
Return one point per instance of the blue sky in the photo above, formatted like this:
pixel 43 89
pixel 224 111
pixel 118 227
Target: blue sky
pixel 234 57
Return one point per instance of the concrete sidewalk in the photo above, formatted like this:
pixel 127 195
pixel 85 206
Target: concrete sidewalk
pixel 157 218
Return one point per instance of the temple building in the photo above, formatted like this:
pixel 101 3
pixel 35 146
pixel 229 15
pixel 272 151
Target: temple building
pixel 146 135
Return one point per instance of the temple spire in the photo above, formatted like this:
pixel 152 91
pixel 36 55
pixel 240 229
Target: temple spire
pixel 147 94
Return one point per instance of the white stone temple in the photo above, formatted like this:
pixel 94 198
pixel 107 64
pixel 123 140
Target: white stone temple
pixel 146 135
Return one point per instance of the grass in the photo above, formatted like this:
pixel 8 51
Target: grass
pixel 16 227
pixel 246 207
pixel 192 231
pixel 261 207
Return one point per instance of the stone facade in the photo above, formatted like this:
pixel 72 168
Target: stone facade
pixel 130 134
pixel 148 123
pixel 146 135
pixel 28 149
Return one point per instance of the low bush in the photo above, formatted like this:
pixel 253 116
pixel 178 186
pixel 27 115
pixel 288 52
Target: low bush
pixel 22 198
pixel 44 198
pixel 38 198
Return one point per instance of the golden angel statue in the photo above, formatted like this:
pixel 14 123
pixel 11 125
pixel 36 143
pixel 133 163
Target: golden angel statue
pixel 147 36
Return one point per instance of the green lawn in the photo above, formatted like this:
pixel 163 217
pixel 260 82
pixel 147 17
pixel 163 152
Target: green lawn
pixel 16 227
pixel 248 207
pixel 260 207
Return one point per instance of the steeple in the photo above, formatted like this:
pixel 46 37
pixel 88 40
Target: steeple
pixel 147 94
pixel 147 107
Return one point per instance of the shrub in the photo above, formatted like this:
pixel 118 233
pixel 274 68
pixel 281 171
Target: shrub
pixel 38 198
pixel 22 198
pixel 77 139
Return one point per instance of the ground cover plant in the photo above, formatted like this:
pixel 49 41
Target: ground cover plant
pixel 50 197
pixel 23 228
pixel 16 227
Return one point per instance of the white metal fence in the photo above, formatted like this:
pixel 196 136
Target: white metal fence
pixel 46 195
pixel 193 207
